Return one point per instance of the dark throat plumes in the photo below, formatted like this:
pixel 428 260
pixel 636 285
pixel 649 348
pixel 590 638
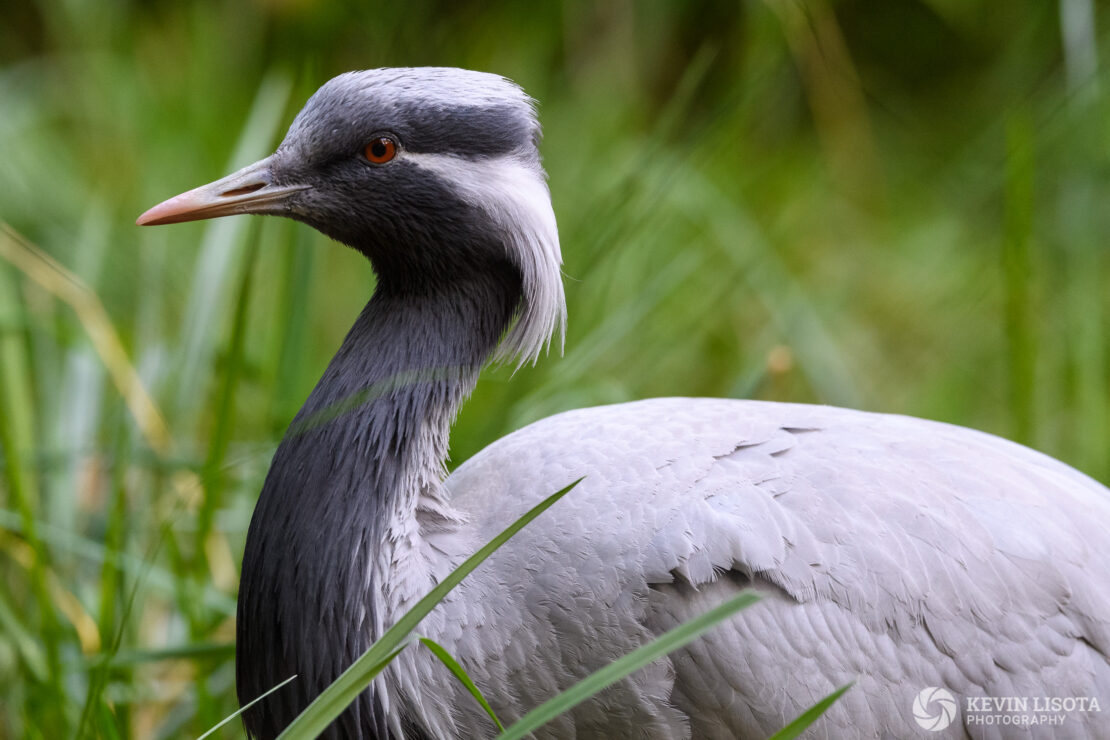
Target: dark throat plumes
pixel 371 436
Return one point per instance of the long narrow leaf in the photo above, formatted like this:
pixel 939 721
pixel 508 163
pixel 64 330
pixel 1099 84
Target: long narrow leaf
pixel 196 651
pixel 326 707
pixel 809 716
pixel 244 708
pixel 334 699
pixel 464 679
pixel 618 669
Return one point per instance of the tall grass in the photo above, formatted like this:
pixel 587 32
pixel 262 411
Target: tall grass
pixel 888 206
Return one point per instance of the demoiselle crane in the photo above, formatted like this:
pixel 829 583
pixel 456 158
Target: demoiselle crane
pixel 906 555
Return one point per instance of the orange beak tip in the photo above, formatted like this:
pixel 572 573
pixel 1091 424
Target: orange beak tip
pixel 250 190
pixel 178 208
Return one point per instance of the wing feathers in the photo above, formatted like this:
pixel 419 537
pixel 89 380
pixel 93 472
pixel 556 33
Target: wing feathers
pixel 895 552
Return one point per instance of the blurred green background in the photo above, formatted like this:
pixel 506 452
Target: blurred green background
pixel 890 205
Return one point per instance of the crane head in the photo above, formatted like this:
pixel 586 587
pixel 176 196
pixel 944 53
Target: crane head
pixel 433 173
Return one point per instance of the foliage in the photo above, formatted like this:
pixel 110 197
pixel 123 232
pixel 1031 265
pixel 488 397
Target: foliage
pixel 893 206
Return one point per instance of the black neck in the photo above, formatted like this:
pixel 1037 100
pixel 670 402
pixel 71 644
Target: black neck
pixel 370 440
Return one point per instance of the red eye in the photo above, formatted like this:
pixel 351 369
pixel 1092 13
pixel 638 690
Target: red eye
pixel 381 150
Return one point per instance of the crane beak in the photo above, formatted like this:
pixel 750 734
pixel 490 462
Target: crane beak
pixel 250 190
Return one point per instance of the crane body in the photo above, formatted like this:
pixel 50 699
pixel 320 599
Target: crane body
pixel 901 554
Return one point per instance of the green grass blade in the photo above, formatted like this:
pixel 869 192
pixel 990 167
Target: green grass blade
pixel 221 254
pixel 22 639
pixel 97 553
pixel 1017 267
pixel 330 704
pixel 335 698
pixel 293 311
pixel 464 679
pixel 809 716
pixel 17 441
pixel 198 651
pixel 618 669
pixel 244 708
pixel 214 482
pixel 107 724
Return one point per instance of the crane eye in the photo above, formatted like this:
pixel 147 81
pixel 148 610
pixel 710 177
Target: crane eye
pixel 381 149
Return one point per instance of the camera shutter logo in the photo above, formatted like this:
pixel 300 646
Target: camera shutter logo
pixel 934 708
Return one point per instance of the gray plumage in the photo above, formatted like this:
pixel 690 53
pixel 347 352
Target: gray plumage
pixel 895 552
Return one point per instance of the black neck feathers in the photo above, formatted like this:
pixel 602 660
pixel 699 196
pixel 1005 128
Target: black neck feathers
pixel 373 432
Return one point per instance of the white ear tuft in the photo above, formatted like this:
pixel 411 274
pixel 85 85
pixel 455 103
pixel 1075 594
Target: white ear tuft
pixel 530 221
pixel 512 192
